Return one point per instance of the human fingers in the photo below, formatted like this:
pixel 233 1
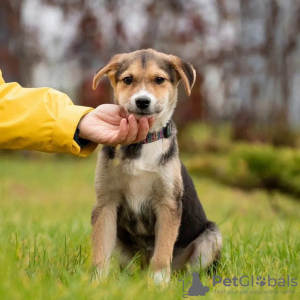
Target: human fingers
pixel 122 133
pixel 151 122
pixel 132 131
pixel 143 129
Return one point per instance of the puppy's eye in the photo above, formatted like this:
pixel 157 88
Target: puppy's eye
pixel 128 80
pixel 159 80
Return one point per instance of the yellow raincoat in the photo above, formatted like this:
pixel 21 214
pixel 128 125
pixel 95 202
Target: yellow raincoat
pixel 39 119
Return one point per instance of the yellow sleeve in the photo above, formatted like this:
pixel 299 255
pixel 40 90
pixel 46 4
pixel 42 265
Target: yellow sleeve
pixel 41 119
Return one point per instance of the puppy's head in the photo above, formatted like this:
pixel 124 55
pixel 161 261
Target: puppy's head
pixel 145 82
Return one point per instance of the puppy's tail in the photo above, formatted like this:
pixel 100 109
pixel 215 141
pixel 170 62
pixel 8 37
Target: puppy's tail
pixel 203 252
pixel 207 247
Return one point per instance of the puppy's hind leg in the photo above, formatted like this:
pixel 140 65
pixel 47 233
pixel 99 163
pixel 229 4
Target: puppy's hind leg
pixel 181 258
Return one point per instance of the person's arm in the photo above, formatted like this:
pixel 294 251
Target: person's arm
pixel 39 119
pixel 44 119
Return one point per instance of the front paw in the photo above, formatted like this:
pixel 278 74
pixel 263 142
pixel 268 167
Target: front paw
pixel 160 271
pixel 161 277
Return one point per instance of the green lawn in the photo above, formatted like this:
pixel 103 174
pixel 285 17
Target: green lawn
pixel 45 206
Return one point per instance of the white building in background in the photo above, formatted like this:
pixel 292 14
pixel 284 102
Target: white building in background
pixel 243 64
pixel 51 33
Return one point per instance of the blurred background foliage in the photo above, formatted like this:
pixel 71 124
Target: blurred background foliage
pixel 239 164
pixel 246 54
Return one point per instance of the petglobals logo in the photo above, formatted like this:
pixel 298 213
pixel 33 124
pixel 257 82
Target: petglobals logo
pixel 192 286
pixel 254 281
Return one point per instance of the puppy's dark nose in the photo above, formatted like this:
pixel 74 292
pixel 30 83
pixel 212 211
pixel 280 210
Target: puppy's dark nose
pixel 143 102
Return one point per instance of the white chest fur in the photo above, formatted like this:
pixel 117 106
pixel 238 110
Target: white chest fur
pixel 136 179
pixel 148 161
pixel 140 174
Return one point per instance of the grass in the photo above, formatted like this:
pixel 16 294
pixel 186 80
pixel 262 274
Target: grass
pixel 45 248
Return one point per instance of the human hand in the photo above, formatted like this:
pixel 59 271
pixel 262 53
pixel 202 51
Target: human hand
pixel 108 125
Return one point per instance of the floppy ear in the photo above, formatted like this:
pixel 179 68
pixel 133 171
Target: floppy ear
pixel 112 65
pixel 186 72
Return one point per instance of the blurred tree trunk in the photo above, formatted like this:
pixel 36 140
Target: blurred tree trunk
pixel 269 65
pixel 11 46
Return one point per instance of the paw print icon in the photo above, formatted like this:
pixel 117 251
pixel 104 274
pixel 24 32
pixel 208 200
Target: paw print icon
pixel 260 281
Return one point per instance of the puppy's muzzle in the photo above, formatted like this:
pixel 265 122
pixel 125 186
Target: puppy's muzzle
pixel 142 102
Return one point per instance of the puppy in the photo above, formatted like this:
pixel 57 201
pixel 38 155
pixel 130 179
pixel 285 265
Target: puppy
pixel 146 200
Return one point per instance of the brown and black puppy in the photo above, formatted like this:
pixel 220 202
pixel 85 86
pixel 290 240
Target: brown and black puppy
pixel 146 200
